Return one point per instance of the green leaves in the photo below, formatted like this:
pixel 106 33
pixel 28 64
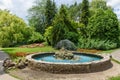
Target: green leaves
pixel 50 11
pixel 104 25
pixel 62 25
pixel 36 38
pixel 85 12
pixel 13 30
pixel 37 17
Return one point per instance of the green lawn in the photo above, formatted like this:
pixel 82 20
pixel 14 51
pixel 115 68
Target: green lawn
pixel 115 78
pixel 13 50
pixel 109 51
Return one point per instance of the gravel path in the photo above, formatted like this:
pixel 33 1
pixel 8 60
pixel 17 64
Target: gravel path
pixel 103 75
pixel 28 74
pixel 3 75
pixel 116 55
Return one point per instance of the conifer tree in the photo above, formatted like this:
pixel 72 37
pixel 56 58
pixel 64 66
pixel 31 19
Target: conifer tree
pixel 85 12
pixel 61 26
pixel 50 11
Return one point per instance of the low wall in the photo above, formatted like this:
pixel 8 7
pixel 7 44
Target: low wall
pixel 87 67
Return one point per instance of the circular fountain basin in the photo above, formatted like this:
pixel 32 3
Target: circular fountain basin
pixel 85 63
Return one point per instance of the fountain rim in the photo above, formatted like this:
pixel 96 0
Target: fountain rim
pixel 103 56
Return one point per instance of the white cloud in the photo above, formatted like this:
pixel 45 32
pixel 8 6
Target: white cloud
pixel 113 3
pixel 6 4
pixel 116 5
pixel 20 7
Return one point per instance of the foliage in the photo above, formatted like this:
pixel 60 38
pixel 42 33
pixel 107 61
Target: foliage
pixel 36 38
pixel 61 26
pixel 104 25
pixel 72 36
pixel 13 29
pixel 96 44
pixel 16 52
pixel 74 11
pixel 13 50
pixel 115 78
pixel 50 11
pixel 85 12
pixel 99 4
pixel 36 16
pixel 66 44
pixel 47 34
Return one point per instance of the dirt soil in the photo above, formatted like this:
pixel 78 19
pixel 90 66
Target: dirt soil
pixel 28 74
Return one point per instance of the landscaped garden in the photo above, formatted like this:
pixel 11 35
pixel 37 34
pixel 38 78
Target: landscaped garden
pixel 88 31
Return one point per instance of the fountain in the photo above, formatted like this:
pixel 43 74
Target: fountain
pixel 65 61
pixel 65 54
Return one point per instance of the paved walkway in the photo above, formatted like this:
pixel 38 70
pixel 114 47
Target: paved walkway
pixel 116 55
pixel 3 75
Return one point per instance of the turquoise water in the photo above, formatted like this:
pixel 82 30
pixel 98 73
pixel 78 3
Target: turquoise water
pixel 83 58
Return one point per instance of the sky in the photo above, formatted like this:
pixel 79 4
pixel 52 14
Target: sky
pixel 20 7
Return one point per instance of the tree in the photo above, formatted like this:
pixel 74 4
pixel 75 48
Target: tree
pixel 74 11
pixel 104 25
pixel 13 30
pixel 98 4
pixel 61 26
pixel 85 12
pixel 50 11
pixel 36 16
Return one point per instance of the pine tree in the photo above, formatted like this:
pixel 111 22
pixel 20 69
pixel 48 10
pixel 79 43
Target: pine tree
pixel 61 26
pixel 85 12
pixel 50 11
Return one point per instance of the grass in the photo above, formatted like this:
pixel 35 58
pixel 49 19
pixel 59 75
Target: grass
pixel 13 50
pixel 115 78
pixel 109 51
pixel 116 61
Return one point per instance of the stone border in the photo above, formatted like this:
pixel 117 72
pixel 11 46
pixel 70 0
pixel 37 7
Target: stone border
pixel 86 67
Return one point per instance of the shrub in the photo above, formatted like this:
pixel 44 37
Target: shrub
pixel 36 38
pixel 61 26
pixel 103 25
pixel 96 44
pixel 67 44
pixel 47 34
pixel 72 36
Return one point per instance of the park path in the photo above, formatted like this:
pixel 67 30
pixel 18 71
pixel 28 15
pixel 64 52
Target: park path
pixel 116 55
pixel 3 75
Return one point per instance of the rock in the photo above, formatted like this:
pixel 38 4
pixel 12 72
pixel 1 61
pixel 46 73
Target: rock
pixel 64 54
pixel 8 63
pixel 67 44
pixel 22 64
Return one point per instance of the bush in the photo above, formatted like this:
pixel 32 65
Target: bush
pixel 47 34
pixel 72 36
pixel 61 26
pixel 96 44
pixel 67 44
pixel 36 38
pixel 103 25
